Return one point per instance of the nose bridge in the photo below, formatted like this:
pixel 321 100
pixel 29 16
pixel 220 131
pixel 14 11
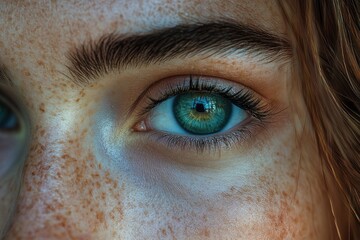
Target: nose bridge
pixel 41 192
pixel 41 195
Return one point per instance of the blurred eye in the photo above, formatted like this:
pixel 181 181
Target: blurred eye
pixel 196 113
pixel 13 140
pixel 12 135
pixel 8 119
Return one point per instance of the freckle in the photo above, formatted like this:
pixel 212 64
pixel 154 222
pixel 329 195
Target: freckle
pixel 103 196
pixel 68 212
pixel 206 232
pixel 95 175
pixel 262 179
pixel 171 231
pixel 26 73
pixel 82 93
pixel 163 232
pixel 271 193
pixel 42 107
pixel 100 216
pixel 113 25
pixel 40 62
pixel 42 132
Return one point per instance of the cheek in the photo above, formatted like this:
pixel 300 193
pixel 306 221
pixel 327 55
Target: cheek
pixel 78 187
pixel 275 191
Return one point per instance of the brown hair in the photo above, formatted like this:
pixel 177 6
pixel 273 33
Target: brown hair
pixel 327 45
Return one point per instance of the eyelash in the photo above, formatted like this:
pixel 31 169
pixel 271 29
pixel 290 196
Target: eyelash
pixel 242 98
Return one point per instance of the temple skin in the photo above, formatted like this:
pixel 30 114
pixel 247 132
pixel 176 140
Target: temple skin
pixel 89 175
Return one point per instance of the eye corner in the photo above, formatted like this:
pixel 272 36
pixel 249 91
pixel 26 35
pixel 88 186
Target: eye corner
pixel 140 126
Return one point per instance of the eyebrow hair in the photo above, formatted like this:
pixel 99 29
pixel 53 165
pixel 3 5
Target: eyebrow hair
pixel 113 51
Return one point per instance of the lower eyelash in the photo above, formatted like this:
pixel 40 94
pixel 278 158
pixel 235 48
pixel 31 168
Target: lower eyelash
pixel 213 142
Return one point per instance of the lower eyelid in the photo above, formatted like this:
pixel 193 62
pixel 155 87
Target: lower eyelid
pixel 241 137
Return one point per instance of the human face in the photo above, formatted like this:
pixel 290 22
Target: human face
pixel 99 167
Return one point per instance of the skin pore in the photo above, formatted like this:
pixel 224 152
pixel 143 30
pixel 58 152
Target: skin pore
pixel 90 174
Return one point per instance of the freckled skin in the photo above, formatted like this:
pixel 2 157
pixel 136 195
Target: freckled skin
pixel 87 176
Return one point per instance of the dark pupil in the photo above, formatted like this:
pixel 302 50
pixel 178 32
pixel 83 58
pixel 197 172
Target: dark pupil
pixel 200 107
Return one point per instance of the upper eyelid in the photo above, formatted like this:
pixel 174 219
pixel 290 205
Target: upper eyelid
pixel 143 94
pixel 182 88
pixel 258 109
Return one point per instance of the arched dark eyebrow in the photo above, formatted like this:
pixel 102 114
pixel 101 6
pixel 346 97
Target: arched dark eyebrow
pixel 112 51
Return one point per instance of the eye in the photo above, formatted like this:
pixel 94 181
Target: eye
pixel 196 113
pixel 13 141
pixel 12 135
pixel 201 112
pixel 8 119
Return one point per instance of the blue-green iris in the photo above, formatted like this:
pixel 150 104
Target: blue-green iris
pixel 202 113
pixel 8 119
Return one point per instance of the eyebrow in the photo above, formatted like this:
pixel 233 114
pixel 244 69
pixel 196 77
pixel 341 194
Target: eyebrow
pixel 113 51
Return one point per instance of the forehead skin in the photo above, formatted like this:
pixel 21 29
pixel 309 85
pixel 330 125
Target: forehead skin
pixel 70 189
